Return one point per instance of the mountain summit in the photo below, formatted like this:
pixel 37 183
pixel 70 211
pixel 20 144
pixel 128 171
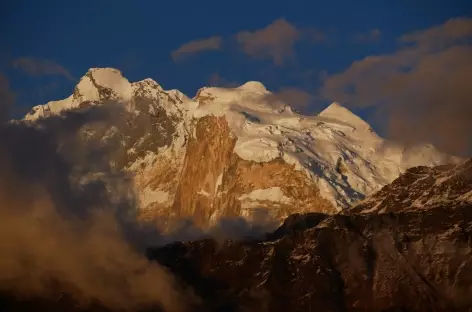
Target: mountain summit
pixel 338 112
pixel 232 152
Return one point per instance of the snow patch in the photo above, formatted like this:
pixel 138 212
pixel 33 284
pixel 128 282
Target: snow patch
pixel 467 197
pixel 112 79
pixel 339 112
pixel 257 149
pixel 204 193
pixel 149 196
pixel 146 161
pixel 51 108
pixel 219 181
pixel 87 90
pixel 273 194
pixel 254 86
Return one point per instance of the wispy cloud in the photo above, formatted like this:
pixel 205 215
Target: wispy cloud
pixel 293 96
pixel 216 80
pixel 423 88
pixel 275 41
pixel 40 67
pixel 368 37
pixel 452 32
pixel 197 46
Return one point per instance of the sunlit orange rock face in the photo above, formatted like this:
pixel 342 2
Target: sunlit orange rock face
pixel 214 180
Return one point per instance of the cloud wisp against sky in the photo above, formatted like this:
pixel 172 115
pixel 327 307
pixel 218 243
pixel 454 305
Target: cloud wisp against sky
pixel 216 80
pixel 276 41
pixel 197 46
pixel 295 97
pixel 40 67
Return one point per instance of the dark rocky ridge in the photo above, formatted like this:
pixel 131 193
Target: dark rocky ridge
pixel 406 261
pixel 411 261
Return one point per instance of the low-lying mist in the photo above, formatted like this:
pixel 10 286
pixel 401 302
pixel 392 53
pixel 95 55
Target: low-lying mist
pixel 68 220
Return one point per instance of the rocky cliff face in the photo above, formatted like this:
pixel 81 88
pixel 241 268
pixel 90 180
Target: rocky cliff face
pixel 233 152
pixel 216 182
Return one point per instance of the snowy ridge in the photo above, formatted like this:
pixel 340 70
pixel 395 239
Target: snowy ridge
pixel 88 89
pixel 100 84
pixel 336 149
pixel 423 188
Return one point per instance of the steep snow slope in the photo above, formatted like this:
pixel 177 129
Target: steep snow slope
pixel 232 151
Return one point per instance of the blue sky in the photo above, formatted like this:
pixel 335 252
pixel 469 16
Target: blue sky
pixel 138 37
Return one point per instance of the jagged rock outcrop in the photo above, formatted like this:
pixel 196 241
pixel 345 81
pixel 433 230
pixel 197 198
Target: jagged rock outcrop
pixel 421 188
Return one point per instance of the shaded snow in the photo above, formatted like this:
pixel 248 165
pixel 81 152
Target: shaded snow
pixel 112 79
pixel 149 196
pixel 204 193
pixel 219 181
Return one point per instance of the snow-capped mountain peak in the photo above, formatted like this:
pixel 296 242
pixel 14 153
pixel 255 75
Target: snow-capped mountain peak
pixel 254 86
pixel 338 112
pixel 96 86
pixel 103 80
pixel 232 151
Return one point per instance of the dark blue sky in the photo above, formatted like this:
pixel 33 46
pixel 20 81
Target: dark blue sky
pixel 138 37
